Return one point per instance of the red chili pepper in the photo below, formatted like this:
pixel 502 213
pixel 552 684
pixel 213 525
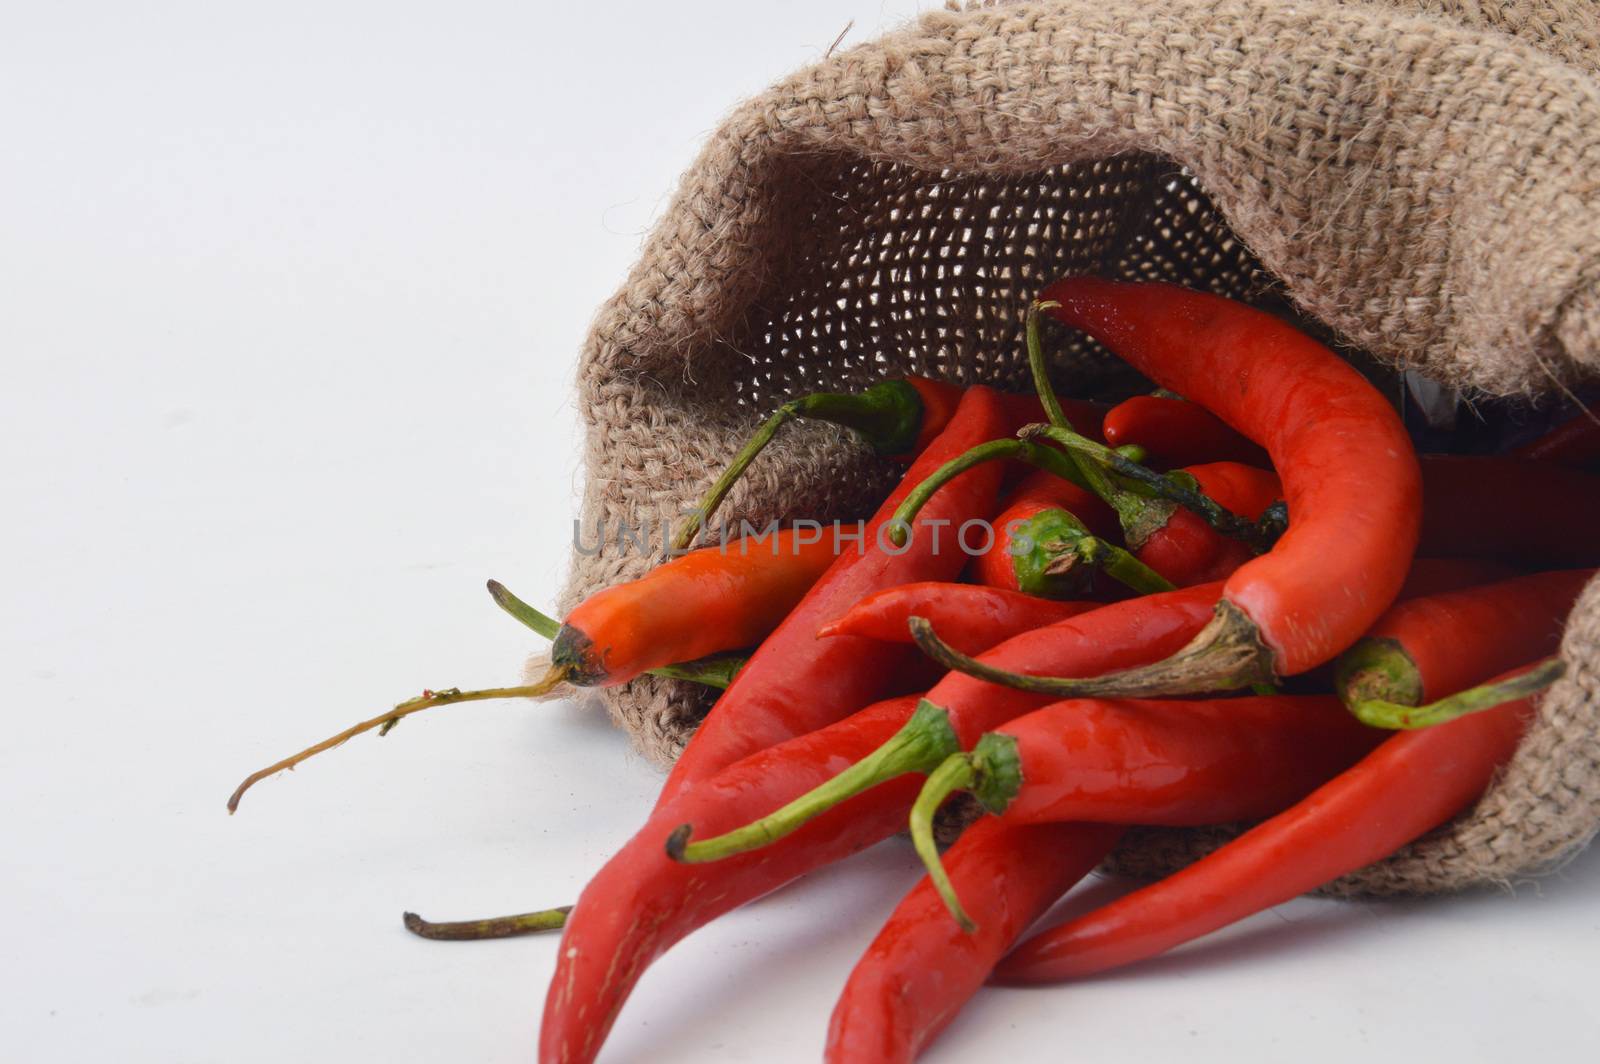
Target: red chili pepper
pixel 960 708
pixel 1349 473
pixel 1019 560
pixel 642 902
pixel 1185 549
pixel 971 617
pixel 1432 649
pixel 1176 432
pixel 1173 763
pixel 795 683
pixel 1573 443
pixel 707 601
pixel 921 968
pixel 1409 785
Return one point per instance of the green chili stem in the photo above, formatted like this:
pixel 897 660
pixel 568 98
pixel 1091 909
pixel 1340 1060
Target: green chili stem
pixel 888 414
pixel 497 927
pixel 1218 517
pixel 526 614
pixel 1034 454
pixel 427 700
pixel 954 774
pixel 920 745
pixel 1382 714
pixel 717 671
pixel 691 525
pixel 1121 566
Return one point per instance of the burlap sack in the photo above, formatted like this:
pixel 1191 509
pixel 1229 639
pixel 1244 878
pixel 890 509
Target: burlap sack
pixel 1418 180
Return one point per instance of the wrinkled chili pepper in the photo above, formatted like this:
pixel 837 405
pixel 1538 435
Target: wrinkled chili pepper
pixel 1176 432
pixel 1429 650
pixel 1173 763
pixel 642 902
pixel 898 418
pixel 972 617
pixel 795 683
pixel 1350 476
pixel 1413 782
pixel 920 969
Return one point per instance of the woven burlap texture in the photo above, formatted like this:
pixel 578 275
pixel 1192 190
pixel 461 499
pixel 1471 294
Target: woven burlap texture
pixel 1414 180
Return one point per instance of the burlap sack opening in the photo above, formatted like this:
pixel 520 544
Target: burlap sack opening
pixel 1414 180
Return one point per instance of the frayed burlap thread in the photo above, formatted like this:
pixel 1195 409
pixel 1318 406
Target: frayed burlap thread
pixel 1416 181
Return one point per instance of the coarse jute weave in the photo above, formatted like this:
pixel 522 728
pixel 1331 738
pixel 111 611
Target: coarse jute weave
pixel 1418 181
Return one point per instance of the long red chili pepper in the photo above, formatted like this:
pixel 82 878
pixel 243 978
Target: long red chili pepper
pixel 1174 763
pixel 642 902
pixel 1410 784
pixel 971 617
pixel 960 708
pixel 794 682
pixel 898 418
pixel 1573 443
pixel 1431 649
pixel 920 969
pixel 707 601
pixel 1350 475
pixel 1175 432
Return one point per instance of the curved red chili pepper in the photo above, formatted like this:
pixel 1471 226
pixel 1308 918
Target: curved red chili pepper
pixel 970 617
pixel 1188 551
pixel 1426 649
pixel 642 902
pixel 795 683
pixel 1573 443
pixel 1176 432
pixel 1350 475
pixel 1410 784
pixel 921 968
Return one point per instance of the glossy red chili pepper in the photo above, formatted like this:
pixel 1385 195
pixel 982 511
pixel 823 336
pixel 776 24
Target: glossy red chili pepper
pixel 707 601
pixel 642 901
pixel 922 968
pixel 970 617
pixel 1350 475
pixel 1188 551
pixel 795 683
pixel 1176 432
pixel 1173 763
pixel 1428 649
pixel 1039 493
pixel 959 708
pixel 1410 784
pixel 1575 443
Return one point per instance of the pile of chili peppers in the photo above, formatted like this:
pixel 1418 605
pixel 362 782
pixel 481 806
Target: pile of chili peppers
pixel 1367 627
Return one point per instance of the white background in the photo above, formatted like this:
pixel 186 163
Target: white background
pixel 290 296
